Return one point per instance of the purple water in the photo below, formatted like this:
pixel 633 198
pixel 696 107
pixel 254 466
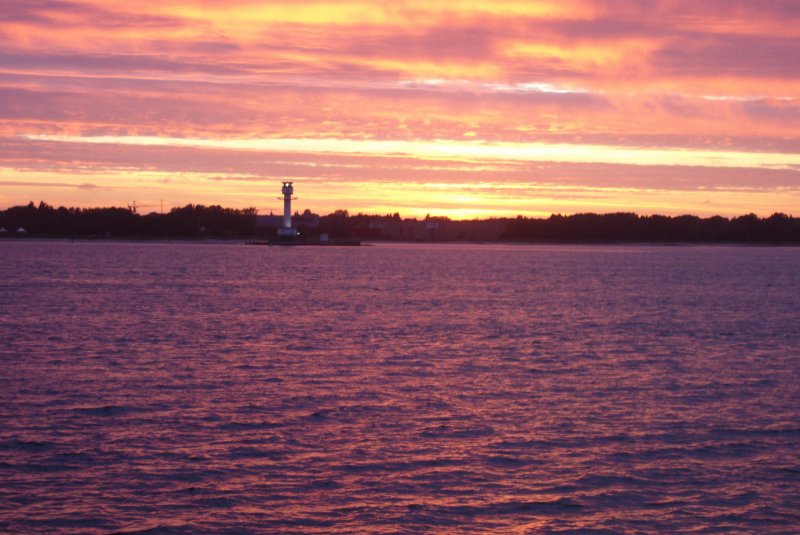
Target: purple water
pixel 220 388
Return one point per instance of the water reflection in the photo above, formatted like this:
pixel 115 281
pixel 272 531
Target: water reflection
pixel 184 388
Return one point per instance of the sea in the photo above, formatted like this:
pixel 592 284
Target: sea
pixel 202 387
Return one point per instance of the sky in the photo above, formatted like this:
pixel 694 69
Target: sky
pixel 452 108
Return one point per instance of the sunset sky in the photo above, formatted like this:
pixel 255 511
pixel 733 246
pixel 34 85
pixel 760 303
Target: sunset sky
pixel 462 109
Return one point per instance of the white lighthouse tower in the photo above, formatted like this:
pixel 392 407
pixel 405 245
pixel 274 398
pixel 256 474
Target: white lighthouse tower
pixel 286 231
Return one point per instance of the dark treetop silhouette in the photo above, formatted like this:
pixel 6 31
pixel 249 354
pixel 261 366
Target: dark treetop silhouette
pixel 194 221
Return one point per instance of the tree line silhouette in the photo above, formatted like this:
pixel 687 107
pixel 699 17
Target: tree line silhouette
pixel 197 221
pixel 627 227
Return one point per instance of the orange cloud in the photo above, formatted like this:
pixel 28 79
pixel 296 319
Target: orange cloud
pixel 457 91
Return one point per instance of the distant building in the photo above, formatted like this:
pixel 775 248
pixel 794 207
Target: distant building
pixel 268 221
pixel 436 229
pixel 21 231
pixel 307 219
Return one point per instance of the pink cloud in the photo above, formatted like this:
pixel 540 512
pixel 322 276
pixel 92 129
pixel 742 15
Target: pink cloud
pixel 723 74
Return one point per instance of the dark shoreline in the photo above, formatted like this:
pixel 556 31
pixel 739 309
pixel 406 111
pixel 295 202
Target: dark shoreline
pixel 261 241
pixel 199 223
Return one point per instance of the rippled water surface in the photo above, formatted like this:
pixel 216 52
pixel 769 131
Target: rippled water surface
pixel 220 388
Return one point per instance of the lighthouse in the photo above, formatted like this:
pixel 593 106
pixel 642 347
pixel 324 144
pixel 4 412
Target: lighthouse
pixel 286 230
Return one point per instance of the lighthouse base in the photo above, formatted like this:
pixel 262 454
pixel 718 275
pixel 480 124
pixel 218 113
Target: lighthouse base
pixel 313 242
pixel 287 233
